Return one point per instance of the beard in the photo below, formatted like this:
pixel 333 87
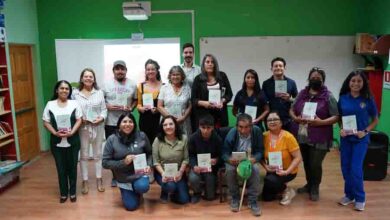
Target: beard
pixel 188 59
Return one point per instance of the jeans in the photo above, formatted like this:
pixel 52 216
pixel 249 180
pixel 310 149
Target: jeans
pixel 210 182
pixel 252 183
pixel 179 190
pixel 131 198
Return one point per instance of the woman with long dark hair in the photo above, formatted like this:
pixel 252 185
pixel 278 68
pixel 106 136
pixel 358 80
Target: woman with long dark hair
pixel 170 150
pixel 123 151
pixel 251 99
pixel 357 106
pixel 211 92
pixel 62 118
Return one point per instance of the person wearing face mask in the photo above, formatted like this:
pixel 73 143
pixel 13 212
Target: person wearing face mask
pixel 314 112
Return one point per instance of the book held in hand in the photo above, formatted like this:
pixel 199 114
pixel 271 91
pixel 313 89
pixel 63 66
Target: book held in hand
pixel 349 124
pixel 309 110
pixel 280 87
pixel 170 171
pixel 239 156
pixel 275 160
pixel 147 100
pixel 251 110
pixel 63 123
pixel 92 113
pixel 215 96
pixel 140 163
pixel 204 162
pixel 121 99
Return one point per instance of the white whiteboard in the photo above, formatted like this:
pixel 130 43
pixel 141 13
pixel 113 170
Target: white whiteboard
pixel 237 54
pixel 73 55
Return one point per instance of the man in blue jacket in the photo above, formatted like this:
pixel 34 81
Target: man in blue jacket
pixel 245 137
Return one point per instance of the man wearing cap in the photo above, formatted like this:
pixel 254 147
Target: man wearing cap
pixel 121 96
pixel 245 137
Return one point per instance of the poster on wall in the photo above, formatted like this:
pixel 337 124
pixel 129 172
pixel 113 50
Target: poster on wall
pixel 386 80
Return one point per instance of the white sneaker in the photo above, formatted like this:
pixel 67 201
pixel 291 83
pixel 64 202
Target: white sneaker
pixel 346 201
pixel 288 195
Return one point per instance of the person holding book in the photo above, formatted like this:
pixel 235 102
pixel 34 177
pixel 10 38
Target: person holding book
pixel 359 116
pixel 92 103
pixel 170 160
pixel 314 112
pixel 280 91
pixel 211 92
pixel 148 91
pixel 243 141
pixel 281 159
pixel 128 154
pixel 250 99
pixel 62 117
pixel 120 94
pixel 175 99
pixel 204 151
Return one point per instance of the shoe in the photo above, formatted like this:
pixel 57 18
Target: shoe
pixel 303 189
pixel 99 185
pixel 234 205
pixel 63 199
pixel 84 187
pixel 314 193
pixel 73 198
pixel 195 198
pixel 255 208
pixel 164 197
pixel 359 206
pixel 288 195
pixel 113 183
pixel 346 201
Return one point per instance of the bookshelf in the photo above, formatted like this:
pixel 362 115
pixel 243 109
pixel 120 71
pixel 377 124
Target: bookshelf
pixel 9 166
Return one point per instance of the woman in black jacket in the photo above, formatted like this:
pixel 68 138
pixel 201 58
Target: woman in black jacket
pixel 207 88
pixel 127 154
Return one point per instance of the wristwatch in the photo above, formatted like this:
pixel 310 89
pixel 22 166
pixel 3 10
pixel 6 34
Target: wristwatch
pixel 366 131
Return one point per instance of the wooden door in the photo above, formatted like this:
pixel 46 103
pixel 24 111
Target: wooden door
pixel 24 100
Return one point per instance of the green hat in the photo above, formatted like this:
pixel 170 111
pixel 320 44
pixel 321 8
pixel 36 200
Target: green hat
pixel 244 169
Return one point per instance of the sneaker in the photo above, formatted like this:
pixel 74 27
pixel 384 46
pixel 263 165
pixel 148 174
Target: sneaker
pixel 288 195
pixel 303 189
pixel 234 205
pixel 113 183
pixel 346 201
pixel 255 208
pixel 359 206
pixel 314 194
pixel 195 198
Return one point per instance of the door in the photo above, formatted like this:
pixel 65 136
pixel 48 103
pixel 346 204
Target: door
pixel 24 100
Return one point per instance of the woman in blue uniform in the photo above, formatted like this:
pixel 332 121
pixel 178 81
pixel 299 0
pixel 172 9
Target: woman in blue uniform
pixel 357 102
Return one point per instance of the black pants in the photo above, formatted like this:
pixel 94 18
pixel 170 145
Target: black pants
pixel 149 123
pixel 109 130
pixel 312 162
pixel 275 184
pixel 66 164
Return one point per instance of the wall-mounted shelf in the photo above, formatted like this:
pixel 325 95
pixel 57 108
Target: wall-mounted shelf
pixel 367 44
pixel 5 143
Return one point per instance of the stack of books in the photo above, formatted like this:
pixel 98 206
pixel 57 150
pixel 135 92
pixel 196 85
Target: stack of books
pixel 5 128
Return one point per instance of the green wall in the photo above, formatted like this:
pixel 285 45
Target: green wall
pixel 21 23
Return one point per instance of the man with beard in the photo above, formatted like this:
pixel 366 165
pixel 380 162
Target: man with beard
pixel 190 69
pixel 121 96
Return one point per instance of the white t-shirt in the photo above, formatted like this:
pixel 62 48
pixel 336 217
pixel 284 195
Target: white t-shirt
pixel 117 93
pixel 62 116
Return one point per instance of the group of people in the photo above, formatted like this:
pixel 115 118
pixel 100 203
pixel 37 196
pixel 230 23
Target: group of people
pixel 184 137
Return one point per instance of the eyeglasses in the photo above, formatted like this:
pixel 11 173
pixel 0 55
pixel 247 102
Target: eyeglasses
pixel 273 119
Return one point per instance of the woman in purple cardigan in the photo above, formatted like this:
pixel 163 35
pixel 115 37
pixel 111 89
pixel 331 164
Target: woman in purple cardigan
pixel 314 128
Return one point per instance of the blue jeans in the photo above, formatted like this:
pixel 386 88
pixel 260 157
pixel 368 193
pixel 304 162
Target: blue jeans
pixel 179 190
pixel 131 198
pixel 352 157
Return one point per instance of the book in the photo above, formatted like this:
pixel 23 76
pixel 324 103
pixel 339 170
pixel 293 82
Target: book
pixel 140 163
pixel 349 124
pixel 2 98
pixel 239 156
pixel 215 96
pixel 251 110
pixel 63 123
pixel 92 113
pixel 204 162
pixel 275 160
pixel 147 100
pixel 121 99
pixel 280 87
pixel 309 110
pixel 170 171
pixel 6 126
